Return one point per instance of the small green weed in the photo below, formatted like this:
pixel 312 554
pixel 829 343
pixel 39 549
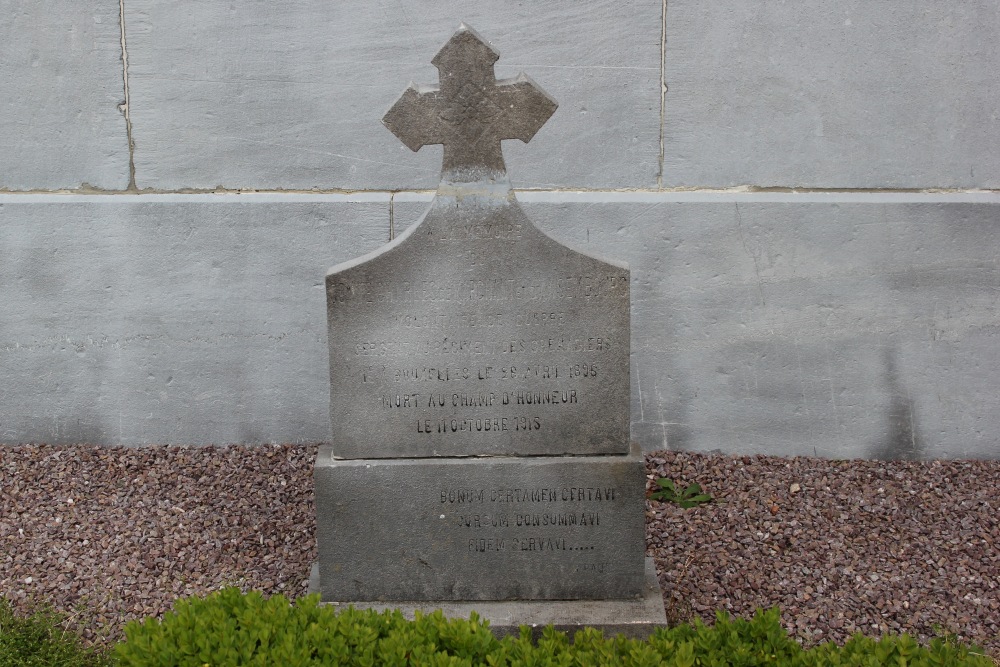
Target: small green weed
pixel 690 496
pixel 39 640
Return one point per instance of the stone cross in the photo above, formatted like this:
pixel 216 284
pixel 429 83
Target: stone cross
pixel 479 369
pixel 473 333
pixel 470 112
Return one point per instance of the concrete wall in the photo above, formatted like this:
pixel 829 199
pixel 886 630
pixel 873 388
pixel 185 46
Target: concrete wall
pixel 807 194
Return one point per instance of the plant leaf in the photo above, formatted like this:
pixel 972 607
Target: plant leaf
pixel 667 484
pixel 693 489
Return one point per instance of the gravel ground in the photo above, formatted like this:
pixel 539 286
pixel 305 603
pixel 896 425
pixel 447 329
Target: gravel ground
pixel 110 534
pixel 839 546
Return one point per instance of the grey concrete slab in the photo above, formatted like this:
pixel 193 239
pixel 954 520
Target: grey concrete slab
pixel 60 87
pixel 635 619
pixel 830 329
pixel 291 95
pixel 854 94
pixel 491 528
pixel 170 322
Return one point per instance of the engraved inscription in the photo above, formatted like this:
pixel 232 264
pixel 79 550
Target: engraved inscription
pixel 524 518
pixel 473 320
pixel 563 378
pixel 483 424
pixel 475 290
pixel 451 345
pixel 556 396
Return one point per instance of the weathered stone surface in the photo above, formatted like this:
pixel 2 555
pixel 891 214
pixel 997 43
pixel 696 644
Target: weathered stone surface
pixel 473 333
pixel 480 529
pixel 289 95
pixel 633 618
pixel 470 112
pixel 852 94
pixel 181 320
pixel 60 87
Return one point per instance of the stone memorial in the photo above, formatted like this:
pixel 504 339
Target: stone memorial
pixel 479 376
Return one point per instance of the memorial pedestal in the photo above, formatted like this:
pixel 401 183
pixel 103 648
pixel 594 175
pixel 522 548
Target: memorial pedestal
pixel 489 528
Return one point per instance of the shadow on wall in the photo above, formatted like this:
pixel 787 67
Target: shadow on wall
pixel 84 429
pixel 901 439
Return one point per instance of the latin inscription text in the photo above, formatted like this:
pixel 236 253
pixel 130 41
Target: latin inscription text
pixel 516 510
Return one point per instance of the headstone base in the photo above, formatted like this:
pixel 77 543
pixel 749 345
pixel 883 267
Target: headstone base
pixel 481 528
pixel 636 619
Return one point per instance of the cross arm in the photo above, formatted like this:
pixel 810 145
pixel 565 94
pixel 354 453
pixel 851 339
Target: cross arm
pixel 528 107
pixel 414 118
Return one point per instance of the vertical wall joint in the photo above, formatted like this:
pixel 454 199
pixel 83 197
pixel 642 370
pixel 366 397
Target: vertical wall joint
pixel 663 87
pixel 125 106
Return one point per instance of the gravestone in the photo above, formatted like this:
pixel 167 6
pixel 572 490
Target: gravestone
pixel 474 333
pixel 479 377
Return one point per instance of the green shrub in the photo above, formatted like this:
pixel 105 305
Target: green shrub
pixel 38 640
pixel 229 628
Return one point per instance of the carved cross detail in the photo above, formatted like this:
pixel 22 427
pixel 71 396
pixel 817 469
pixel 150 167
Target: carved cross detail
pixel 470 112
